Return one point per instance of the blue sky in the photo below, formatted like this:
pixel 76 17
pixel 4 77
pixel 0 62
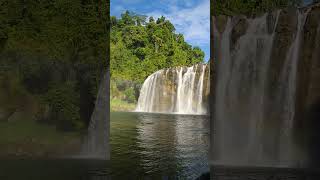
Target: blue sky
pixel 190 17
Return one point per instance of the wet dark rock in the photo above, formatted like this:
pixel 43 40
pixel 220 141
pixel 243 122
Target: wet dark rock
pixel 205 176
pixel 239 29
pixel 220 22
pixel 271 21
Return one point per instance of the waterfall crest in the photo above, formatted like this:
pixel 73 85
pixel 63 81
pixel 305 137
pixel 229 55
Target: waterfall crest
pixel 182 90
pixel 254 108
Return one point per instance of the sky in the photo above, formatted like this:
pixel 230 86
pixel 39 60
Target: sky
pixel 190 17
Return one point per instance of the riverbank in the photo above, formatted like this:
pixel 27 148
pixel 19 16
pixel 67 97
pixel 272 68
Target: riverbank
pixel 29 139
pixel 120 105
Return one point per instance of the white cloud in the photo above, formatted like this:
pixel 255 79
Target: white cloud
pixel 193 22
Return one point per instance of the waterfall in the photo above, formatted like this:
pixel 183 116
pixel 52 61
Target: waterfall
pixel 254 108
pixel 200 91
pixel 289 76
pixel 96 144
pixel 180 90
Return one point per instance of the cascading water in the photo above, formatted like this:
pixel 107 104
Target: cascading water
pixel 182 90
pixel 96 144
pixel 253 116
pixel 289 76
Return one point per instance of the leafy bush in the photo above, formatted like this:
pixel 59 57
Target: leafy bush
pixel 130 95
pixel 63 103
pixel 12 93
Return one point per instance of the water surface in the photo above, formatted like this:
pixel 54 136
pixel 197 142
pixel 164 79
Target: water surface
pixel 159 145
pixel 143 146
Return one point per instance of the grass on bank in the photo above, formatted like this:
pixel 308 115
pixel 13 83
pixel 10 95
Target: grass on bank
pixel 19 131
pixel 29 138
pixel 121 105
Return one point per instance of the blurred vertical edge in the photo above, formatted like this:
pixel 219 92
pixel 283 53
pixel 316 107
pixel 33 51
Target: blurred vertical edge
pixel 212 85
pixel 108 76
pixel 53 55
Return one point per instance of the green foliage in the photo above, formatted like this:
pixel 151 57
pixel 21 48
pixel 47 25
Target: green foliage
pixel 34 139
pixel 63 102
pixel 123 95
pixel 12 92
pixel 72 30
pixel 250 7
pixel 124 90
pixel 139 48
pixel 130 95
pixel 121 105
pixel 56 50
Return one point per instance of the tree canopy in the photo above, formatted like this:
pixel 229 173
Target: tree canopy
pixel 54 52
pixel 141 46
pixel 251 7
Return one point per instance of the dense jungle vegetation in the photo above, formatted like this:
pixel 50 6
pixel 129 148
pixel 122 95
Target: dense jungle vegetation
pixel 52 57
pixel 139 46
pixel 252 7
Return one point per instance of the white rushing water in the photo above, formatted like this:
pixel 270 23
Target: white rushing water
pixel 252 127
pixel 96 145
pixel 182 90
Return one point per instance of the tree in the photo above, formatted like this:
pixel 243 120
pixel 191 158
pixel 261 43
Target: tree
pixel 250 7
pixel 161 20
pixel 51 43
pixel 127 18
pixel 151 20
pixel 137 51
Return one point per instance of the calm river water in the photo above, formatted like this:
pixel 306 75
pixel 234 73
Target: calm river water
pixel 159 145
pixel 143 146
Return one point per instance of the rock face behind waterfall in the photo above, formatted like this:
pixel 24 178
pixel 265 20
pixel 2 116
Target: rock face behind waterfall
pixel 267 88
pixel 176 90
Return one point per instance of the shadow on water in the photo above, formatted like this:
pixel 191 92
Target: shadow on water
pixel 263 173
pixel 54 169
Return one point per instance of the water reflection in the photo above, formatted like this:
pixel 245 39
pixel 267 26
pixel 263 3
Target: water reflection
pixel 173 143
pixel 143 146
